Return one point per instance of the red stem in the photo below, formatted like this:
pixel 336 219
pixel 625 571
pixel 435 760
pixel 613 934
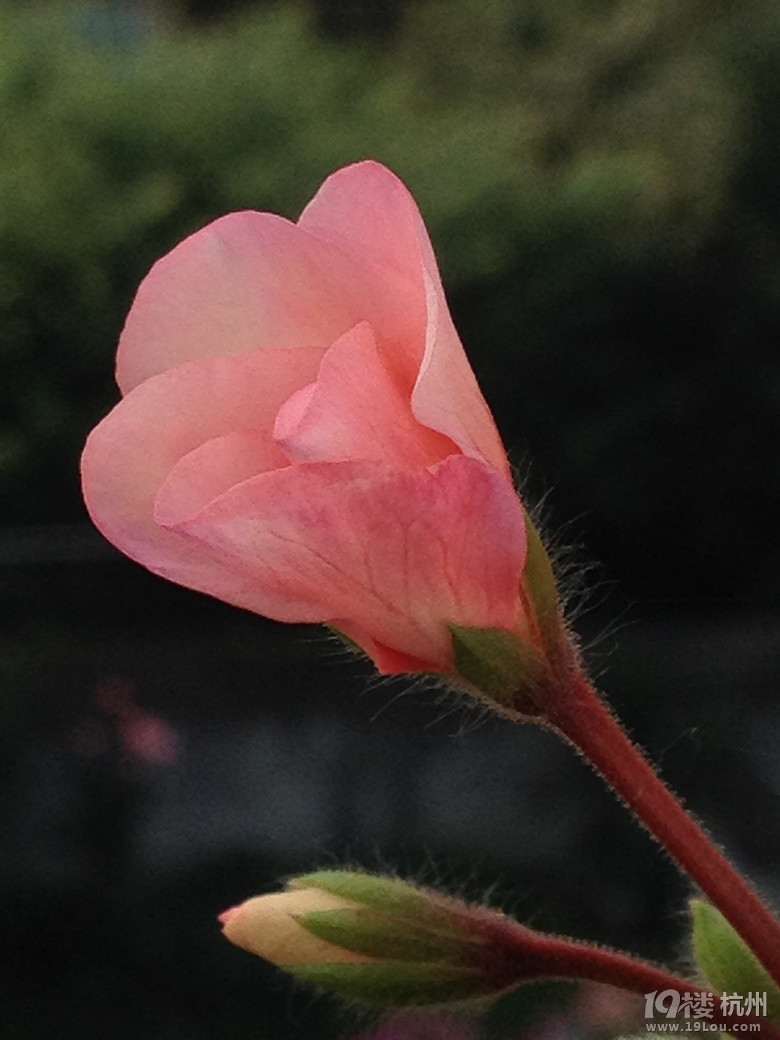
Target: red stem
pixel 566 959
pixel 583 719
pixel 579 961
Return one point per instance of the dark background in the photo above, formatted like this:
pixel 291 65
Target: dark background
pixel 599 178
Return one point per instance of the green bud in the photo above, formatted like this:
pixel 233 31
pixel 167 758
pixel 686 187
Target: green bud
pixel 728 963
pixel 495 661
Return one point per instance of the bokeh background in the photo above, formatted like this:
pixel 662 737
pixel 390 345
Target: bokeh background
pixel 600 181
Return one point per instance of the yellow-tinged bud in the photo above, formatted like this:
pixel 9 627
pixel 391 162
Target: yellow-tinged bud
pixel 384 941
pixel 269 927
pixel 374 938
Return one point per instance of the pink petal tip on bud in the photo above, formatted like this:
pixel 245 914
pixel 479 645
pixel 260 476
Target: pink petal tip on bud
pixel 227 915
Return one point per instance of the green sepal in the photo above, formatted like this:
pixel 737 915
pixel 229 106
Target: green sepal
pixel 539 577
pixel 393 984
pixel 370 934
pixel 494 660
pixel 397 899
pixel 729 964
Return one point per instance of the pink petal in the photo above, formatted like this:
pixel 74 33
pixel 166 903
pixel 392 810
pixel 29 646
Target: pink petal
pixel 368 209
pixel 355 410
pixel 248 280
pixel 209 470
pixel 254 280
pixel 397 553
pixel 386 660
pixel 369 213
pixel 229 402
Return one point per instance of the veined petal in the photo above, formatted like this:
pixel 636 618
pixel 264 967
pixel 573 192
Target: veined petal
pixel 355 410
pixel 400 553
pixel 133 452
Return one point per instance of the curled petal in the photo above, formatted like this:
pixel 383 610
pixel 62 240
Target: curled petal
pixel 355 410
pixel 368 210
pixel 446 395
pixel 209 470
pixel 370 214
pixel 222 409
pixel 399 553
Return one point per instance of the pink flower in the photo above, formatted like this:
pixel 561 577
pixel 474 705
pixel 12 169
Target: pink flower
pixel 301 434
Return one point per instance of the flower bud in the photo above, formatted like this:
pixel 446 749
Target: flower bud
pixel 269 926
pixel 383 941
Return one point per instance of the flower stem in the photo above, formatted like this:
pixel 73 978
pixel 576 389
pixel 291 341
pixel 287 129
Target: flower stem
pixel 554 957
pixel 585 721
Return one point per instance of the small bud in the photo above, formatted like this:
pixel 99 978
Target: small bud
pixel 269 926
pixel 383 941
pixel 728 963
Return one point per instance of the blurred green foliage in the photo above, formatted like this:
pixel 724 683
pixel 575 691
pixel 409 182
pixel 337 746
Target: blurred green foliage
pixel 598 177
